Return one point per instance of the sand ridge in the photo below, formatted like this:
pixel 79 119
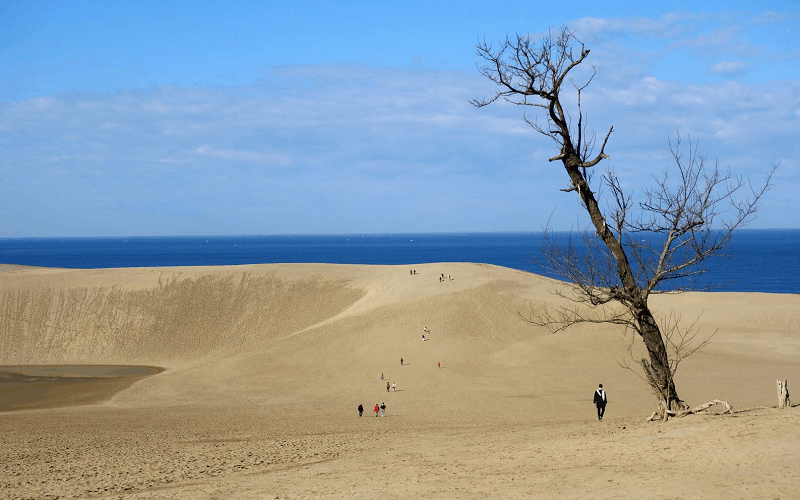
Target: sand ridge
pixel 265 365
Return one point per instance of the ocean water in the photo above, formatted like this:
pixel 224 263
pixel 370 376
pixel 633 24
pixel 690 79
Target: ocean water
pixel 760 260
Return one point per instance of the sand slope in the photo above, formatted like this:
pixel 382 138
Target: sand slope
pixel 264 366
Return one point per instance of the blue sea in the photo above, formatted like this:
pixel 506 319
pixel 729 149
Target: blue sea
pixel 760 260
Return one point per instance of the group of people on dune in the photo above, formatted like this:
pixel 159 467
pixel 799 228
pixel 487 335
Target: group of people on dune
pixel 378 408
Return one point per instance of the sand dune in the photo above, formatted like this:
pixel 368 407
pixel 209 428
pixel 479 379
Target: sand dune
pixel 265 365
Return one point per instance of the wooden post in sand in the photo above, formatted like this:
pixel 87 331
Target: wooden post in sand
pixel 783 395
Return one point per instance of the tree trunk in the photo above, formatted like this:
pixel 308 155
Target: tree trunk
pixel 657 370
pixel 783 395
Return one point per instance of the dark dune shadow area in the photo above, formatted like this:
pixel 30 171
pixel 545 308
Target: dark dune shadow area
pixel 56 386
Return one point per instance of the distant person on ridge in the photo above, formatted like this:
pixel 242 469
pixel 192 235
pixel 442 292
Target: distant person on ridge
pixel 401 361
pixel 387 386
pixel 360 410
pixel 600 400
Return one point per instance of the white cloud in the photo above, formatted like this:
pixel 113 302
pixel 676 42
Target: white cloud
pixel 728 68
pixel 770 17
pixel 694 47
pixel 373 149
pixel 244 155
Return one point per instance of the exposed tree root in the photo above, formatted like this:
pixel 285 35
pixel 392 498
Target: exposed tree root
pixel 664 414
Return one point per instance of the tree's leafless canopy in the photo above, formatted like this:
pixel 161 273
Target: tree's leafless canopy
pixel 671 236
pixel 662 242
pixel 531 73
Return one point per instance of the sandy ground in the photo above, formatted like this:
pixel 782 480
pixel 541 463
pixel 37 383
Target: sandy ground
pixel 265 365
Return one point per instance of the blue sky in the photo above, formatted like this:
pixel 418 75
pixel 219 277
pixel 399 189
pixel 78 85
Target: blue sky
pixel 206 118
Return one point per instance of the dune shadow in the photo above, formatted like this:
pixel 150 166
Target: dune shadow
pixel 59 386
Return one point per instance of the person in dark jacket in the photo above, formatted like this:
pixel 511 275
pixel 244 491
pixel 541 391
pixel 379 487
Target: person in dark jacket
pixel 600 401
pixel 360 410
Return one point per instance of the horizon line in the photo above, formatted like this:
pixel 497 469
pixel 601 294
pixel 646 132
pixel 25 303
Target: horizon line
pixel 7 236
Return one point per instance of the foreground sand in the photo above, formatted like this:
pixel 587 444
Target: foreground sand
pixel 265 365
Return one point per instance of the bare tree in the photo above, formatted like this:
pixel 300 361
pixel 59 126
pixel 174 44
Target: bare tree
pixel 660 244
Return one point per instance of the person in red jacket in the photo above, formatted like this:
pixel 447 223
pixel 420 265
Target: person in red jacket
pixel 377 409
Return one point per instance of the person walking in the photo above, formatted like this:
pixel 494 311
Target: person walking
pixel 387 386
pixel 394 387
pixel 360 410
pixel 381 375
pixel 440 364
pixel 401 361
pixel 600 400
pixel 377 408
pixel 383 410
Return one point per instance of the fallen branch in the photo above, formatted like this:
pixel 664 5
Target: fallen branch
pixel 726 408
pixel 661 414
